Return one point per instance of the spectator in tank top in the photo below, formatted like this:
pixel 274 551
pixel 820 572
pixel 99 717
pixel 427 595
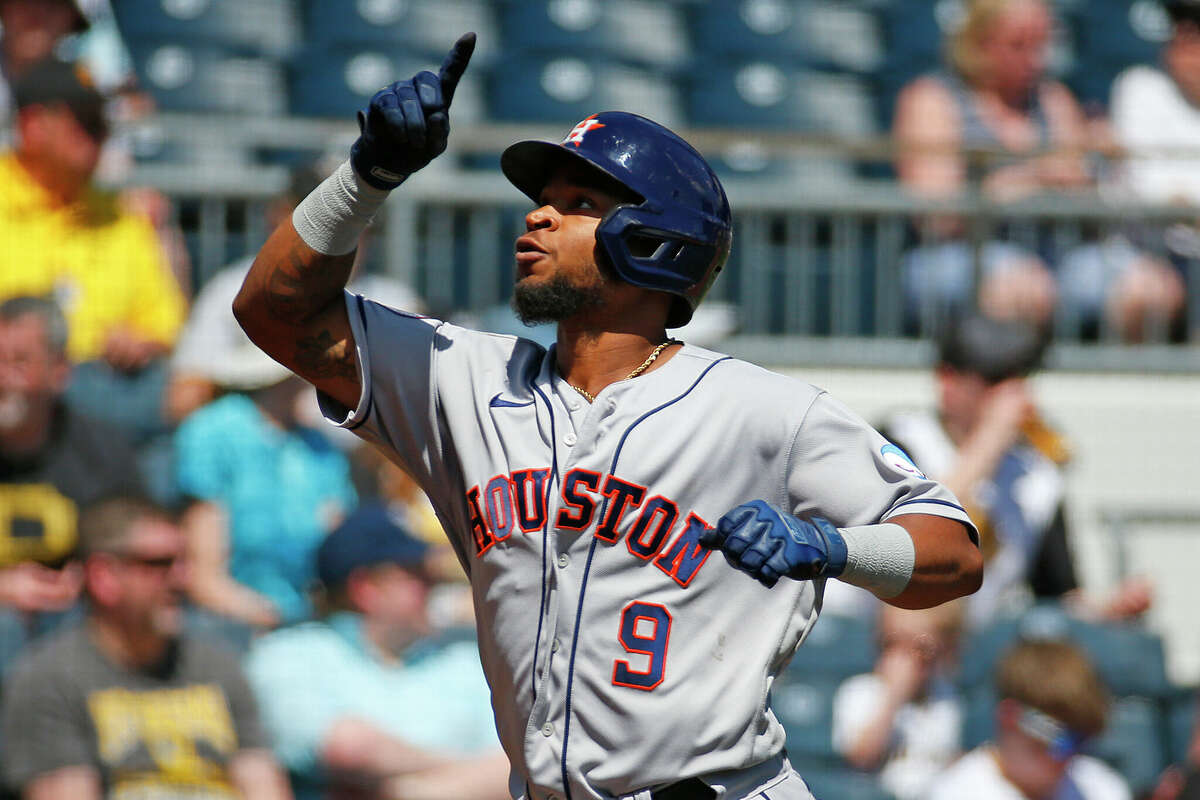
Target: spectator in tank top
pixel 994 117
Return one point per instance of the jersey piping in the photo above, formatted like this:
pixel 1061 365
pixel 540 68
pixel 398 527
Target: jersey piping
pixel 588 568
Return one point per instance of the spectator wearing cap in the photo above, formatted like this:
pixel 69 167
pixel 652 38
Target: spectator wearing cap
pixel 988 442
pixel 29 32
pixel 1050 703
pixel 127 703
pixel 262 489
pixel 65 238
pixel 365 697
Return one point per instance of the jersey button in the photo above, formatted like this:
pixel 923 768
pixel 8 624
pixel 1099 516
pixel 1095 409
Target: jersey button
pixel 569 439
pixel 554 645
pixel 548 729
pixel 563 560
pixel 574 405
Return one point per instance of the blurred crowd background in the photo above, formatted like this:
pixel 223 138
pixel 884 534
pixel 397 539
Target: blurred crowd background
pixel 960 211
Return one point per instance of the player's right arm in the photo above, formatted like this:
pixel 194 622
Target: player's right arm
pixel 291 303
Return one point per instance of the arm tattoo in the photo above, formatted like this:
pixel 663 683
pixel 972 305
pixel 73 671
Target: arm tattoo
pixel 299 286
pixel 322 356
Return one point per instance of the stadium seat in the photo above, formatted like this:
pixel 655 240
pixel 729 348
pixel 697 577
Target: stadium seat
pixel 1129 658
pixel 1133 742
pixel 836 648
pixel 206 78
pixel 261 27
pixel 773 95
pixel 650 34
pixel 838 782
pixel 803 704
pixel 337 82
pixel 836 36
pixel 566 88
pixel 1109 36
pixel 1181 713
pixel 426 27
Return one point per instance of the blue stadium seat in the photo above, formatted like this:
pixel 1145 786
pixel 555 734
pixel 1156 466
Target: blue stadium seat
pixel 565 88
pixel 1109 36
pixel 803 704
pixel 837 782
pixel 1129 658
pixel 207 78
pixel 770 94
pixel 263 27
pixel 338 82
pixel 1181 710
pixel 1133 742
pixel 979 716
pixel 836 648
pixel 427 27
pixel 649 34
pixel 836 36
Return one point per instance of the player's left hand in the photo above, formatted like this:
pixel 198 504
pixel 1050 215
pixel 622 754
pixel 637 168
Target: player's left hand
pixel 767 543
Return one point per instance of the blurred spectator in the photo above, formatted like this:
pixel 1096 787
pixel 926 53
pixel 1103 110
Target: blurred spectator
pixel 365 698
pixel 53 461
pixel 264 490
pixel 1050 702
pixel 1157 110
pixel 904 719
pixel 988 443
pixel 1156 117
pixel 995 118
pixel 29 32
pixel 211 330
pixel 103 264
pixel 125 705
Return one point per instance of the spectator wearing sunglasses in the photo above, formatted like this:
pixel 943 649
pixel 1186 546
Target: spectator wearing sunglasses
pixel 126 703
pixel 1050 704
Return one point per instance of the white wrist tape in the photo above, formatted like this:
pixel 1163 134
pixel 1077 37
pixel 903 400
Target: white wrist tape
pixel 879 558
pixel 331 219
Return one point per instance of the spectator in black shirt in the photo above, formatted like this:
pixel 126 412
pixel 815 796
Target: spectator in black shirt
pixel 52 462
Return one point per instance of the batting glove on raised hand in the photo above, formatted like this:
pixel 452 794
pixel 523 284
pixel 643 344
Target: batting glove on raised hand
pixel 767 543
pixel 406 125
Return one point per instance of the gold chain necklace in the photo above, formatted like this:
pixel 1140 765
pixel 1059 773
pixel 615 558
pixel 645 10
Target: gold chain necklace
pixel 591 398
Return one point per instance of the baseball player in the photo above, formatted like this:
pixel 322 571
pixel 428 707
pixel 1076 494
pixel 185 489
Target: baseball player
pixel 585 487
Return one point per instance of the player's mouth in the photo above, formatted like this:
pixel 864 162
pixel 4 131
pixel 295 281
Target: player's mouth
pixel 527 254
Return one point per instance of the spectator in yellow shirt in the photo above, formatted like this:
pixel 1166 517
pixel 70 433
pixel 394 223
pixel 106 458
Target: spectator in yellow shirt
pixel 61 236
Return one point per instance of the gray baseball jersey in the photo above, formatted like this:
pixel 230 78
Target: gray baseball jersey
pixel 621 654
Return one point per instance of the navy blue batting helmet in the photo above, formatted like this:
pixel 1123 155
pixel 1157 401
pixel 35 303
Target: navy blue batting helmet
pixel 677 237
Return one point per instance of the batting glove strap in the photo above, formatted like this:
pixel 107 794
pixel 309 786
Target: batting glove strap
pixel 879 558
pixel 769 544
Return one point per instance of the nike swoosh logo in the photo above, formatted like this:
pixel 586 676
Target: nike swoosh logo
pixel 500 402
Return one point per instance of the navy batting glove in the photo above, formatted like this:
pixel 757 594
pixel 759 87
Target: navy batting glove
pixel 406 125
pixel 767 543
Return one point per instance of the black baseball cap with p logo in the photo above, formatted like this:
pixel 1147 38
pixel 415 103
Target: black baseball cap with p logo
pixel 53 82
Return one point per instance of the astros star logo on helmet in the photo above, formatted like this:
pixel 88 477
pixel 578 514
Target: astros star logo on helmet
pixel 575 137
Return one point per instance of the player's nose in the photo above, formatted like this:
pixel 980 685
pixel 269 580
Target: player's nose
pixel 542 217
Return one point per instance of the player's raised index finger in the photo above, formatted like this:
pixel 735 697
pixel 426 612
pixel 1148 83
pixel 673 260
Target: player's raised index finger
pixel 455 65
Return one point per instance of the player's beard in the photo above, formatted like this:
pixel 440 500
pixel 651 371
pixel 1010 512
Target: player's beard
pixel 555 300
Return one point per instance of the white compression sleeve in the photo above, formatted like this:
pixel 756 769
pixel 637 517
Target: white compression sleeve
pixel 331 219
pixel 879 558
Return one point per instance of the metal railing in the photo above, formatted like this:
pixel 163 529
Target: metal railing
pixel 815 268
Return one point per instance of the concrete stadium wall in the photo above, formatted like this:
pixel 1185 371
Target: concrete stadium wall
pixel 1136 444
